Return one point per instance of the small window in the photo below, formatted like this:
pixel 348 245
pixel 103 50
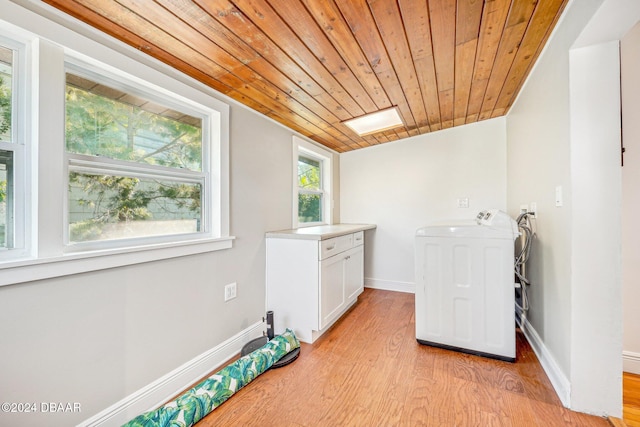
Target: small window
pixel 310 192
pixel 312 185
pixel 136 165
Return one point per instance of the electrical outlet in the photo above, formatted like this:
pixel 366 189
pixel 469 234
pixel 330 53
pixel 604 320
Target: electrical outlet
pixel 463 202
pixel 524 209
pixel 534 209
pixel 230 291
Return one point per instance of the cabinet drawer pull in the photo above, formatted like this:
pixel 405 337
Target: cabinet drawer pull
pixel 330 248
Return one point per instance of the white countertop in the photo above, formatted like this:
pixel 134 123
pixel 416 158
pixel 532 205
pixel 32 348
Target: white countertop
pixel 320 232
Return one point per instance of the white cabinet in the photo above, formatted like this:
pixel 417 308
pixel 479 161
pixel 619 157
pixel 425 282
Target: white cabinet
pixel 354 273
pixel 331 288
pixel 341 281
pixel 311 282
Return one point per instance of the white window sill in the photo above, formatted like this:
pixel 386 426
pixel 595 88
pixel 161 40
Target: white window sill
pixel 20 271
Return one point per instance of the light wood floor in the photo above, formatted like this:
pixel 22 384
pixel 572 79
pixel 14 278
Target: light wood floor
pixel 631 399
pixel 368 370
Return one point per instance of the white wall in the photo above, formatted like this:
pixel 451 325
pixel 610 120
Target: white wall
pixel 630 58
pixel 405 185
pixel 596 283
pixel 96 338
pixel 564 129
pixel 538 156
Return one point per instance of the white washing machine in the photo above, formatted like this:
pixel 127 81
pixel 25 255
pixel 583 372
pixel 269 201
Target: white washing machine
pixel 465 285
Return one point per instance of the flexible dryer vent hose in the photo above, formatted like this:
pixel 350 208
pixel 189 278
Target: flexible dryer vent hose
pixel 196 403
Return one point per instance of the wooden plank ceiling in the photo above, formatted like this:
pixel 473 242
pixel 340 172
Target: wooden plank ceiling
pixel 312 64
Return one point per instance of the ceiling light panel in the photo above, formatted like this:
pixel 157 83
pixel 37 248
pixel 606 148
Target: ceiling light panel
pixel 375 122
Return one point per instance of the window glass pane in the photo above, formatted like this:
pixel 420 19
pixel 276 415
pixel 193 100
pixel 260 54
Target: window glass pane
pixel 107 122
pixel 309 207
pixel 6 199
pixel 7 202
pixel 309 176
pixel 6 61
pixel 108 207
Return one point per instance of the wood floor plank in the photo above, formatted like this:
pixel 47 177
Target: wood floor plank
pixel 519 409
pixel 631 384
pixel 631 399
pixel 617 422
pixel 368 370
pixel 631 416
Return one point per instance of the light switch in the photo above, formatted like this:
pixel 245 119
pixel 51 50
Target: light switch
pixel 558 196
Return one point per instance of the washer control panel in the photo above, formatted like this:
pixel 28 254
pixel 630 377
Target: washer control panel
pixel 495 218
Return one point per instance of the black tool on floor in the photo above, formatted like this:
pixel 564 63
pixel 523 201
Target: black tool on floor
pixel 256 343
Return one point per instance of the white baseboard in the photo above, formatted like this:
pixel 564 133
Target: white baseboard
pixel 558 379
pixel 390 285
pixel 631 362
pixel 155 394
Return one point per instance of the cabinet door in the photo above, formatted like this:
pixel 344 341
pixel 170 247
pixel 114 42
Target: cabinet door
pixel 331 288
pixel 354 273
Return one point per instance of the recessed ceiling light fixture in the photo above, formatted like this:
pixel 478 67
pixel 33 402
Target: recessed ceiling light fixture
pixel 375 122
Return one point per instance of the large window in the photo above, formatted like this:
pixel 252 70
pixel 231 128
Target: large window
pixel 312 185
pixel 104 161
pixel 136 164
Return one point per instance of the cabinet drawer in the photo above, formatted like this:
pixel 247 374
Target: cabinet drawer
pixel 331 247
pixel 358 238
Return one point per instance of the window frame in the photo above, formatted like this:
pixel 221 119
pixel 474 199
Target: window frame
pixel 303 148
pixel 21 228
pixel 41 122
pixel 121 81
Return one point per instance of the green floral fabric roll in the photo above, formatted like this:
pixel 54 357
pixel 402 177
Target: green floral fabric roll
pixel 192 406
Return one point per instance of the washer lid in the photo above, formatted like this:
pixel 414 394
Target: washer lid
pixel 489 224
pixel 466 230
